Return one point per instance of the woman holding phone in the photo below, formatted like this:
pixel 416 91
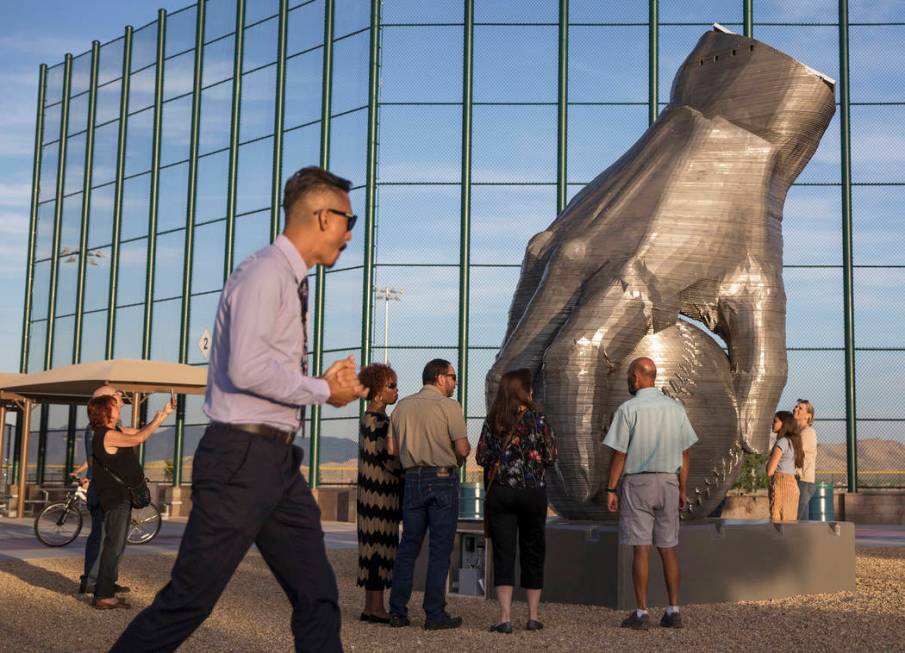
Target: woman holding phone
pixel 116 470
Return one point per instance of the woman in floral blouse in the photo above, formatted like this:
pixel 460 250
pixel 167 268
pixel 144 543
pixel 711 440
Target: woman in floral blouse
pixel 515 448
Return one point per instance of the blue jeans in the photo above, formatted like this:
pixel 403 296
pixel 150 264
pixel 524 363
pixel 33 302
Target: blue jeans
pixel 95 539
pixel 805 492
pixel 430 503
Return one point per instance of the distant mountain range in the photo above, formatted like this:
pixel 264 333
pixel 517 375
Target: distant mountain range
pixel 160 445
pixel 873 454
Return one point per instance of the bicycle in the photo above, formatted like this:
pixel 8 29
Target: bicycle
pixel 60 523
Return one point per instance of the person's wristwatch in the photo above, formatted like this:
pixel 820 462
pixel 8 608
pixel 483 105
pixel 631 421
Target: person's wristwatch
pixel 611 489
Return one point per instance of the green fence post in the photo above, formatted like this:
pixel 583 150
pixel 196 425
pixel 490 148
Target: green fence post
pixel 86 206
pixel 236 107
pixel 851 420
pixel 279 118
pixel 118 192
pixel 465 201
pixel 653 61
pixel 314 449
pixel 748 17
pixel 58 216
pixel 562 189
pixel 188 254
pixel 367 292
pixel 33 221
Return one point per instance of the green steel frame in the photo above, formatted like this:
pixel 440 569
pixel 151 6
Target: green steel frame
pixel 188 254
pixel 370 218
pixel 370 223
pixel 465 205
pixel 562 127
pixel 154 200
pixel 58 214
pixel 235 123
pixel 279 118
pixel 314 450
pixel 86 204
pixel 851 423
pixel 118 193
pixel 33 220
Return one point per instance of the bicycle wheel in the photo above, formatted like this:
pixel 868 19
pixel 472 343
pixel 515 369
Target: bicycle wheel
pixel 145 524
pixel 58 524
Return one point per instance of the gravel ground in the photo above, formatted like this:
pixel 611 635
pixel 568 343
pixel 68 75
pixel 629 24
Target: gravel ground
pixel 40 611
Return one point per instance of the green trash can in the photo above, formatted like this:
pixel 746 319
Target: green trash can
pixel 821 506
pixel 471 501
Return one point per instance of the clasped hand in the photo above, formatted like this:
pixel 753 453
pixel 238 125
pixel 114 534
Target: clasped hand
pixel 344 384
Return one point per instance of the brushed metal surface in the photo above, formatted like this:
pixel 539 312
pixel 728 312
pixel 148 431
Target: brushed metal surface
pixel 688 222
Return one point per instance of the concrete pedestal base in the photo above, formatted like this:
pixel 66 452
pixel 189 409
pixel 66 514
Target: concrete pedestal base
pixel 176 499
pixel 721 560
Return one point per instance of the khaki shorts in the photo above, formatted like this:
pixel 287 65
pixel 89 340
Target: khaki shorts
pixel 649 510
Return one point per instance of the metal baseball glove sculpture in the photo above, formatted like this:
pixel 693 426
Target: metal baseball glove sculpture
pixel 687 223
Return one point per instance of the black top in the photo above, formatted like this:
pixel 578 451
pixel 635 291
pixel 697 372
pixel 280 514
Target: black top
pixel 530 451
pixel 124 463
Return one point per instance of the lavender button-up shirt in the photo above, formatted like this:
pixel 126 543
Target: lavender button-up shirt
pixel 255 374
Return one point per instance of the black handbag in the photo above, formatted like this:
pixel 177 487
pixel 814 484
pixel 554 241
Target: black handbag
pixel 139 495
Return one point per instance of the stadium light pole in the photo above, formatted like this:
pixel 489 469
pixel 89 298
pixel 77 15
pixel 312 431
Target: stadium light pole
pixel 387 295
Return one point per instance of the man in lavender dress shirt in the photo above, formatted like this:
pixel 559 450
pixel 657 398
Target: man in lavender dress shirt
pixel 246 484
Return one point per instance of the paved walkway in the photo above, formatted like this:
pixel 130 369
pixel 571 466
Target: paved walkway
pixel 18 541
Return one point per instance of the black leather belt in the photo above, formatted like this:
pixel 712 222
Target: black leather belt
pixel 264 430
pixel 440 471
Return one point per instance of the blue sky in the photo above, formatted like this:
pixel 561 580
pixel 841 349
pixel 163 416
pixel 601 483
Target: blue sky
pixel 512 144
pixel 34 33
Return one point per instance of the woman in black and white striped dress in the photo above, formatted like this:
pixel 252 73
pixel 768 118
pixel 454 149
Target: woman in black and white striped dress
pixel 379 493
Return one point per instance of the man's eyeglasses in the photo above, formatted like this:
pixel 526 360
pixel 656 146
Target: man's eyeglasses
pixel 452 376
pixel 351 218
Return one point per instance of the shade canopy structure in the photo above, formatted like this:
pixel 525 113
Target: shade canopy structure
pixel 73 384
pixel 7 379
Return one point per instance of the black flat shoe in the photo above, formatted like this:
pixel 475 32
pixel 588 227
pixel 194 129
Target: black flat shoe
pixel 505 627
pixel 373 618
pixel 533 624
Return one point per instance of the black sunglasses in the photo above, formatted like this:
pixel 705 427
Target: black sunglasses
pixel 350 217
pixel 391 386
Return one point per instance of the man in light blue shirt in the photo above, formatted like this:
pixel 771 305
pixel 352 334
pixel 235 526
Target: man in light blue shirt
pixel 650 436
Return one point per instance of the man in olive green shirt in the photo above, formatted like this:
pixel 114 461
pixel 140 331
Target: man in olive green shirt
pixel 427 431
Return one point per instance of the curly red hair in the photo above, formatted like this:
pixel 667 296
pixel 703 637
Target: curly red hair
pixel 375 378
pixel 100 410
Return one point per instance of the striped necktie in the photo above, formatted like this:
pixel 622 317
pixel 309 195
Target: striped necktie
pixel 303 300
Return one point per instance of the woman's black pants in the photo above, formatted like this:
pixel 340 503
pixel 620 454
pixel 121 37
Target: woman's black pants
pixel 517 515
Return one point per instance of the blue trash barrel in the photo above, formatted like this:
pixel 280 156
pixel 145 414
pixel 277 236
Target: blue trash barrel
pixel 471 501
pixel 821 506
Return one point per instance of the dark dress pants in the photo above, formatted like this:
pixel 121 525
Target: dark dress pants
pixel 245 489
pixel 517 516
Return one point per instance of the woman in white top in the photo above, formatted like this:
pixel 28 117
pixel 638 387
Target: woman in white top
pixel 807 484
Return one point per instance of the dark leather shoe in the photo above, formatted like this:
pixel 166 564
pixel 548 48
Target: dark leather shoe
pixel 635 622
pixel 398 621
pixel 120 589
pixel 533 624
pixel 443 622
pixel 673 620
pixel 505 627
pixel 373 618
pixel 110 604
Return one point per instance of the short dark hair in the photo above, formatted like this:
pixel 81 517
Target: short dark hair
pixel 434 369
pixel 100 409
pixel 307 180
pixel 375 378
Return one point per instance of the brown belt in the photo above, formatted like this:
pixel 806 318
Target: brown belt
pixel 440 471
pixel 264 430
